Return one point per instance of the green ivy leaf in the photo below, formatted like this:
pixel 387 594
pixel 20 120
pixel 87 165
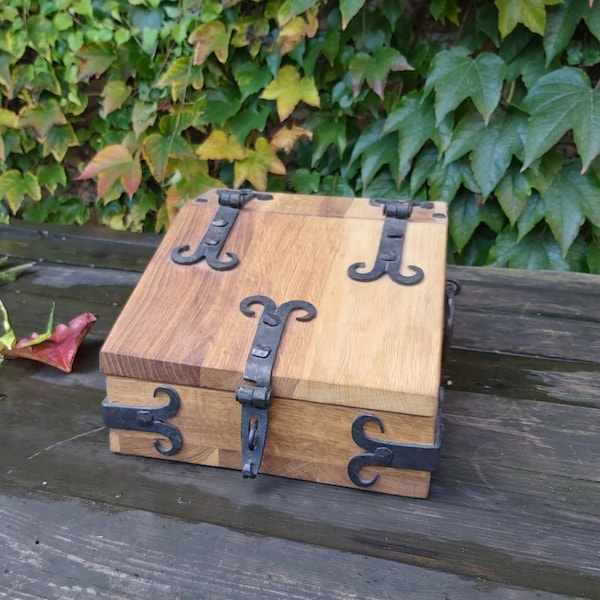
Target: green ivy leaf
pixel 532 13
pixel 41 118
pixel 445 181
pixel 532 214
pixel 208 38
pixel 593 257
pixel 114 95
pixel 51 176
pixel 559 102
pixel 348 9
pixel 538 250
pixel 455 76
pixel 327 130
pixel 143 116
pixel 375 69
pixel 158 149
pixel 305 181
pixel 180 76
pixel 16 186
pixel 292 8
pixel 512 193
pixel 219 106
pixel 464 216
pixel 501 139
pixel 253 118
pixel 381 154
pixel 562 22
pixel 250 77
pixel 59 140
pixel 94 61
pixel 465 136
pixel 414 120
pixel 423 167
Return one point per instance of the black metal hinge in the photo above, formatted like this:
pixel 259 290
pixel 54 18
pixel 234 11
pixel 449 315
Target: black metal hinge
pixel 147 418
pixel 255 400
pixel 382 453
pixel 389 254
pixel 230 204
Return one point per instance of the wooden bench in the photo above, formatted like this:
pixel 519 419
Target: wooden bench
pixel 514 510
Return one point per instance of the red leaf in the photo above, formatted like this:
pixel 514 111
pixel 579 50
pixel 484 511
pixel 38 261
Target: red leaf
pixel 60 348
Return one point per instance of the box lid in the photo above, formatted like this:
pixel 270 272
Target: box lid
pixel 373 344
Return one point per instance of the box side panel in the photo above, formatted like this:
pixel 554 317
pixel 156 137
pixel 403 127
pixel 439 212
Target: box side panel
pixel 305 440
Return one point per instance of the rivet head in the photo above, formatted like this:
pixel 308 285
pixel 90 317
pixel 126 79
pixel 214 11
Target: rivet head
pixel 261 351
pixel 388 256
pixel 271 320
pixel 211 241
pixel 220 222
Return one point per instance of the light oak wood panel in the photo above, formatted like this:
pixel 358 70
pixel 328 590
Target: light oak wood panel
pixel 305 440
pixel 373 345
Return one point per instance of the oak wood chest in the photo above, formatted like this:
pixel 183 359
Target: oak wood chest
pixel 298 336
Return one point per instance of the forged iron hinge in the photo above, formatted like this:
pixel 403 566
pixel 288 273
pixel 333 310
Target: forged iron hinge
pixel 147 418
pixel 230 204
pixel 383 453
pixel 391 243
pixel 255 400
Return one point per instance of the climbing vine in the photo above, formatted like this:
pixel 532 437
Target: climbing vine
pixel 118 112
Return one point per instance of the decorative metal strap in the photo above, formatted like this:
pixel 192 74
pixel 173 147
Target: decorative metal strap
pixel 150 418
pixel 382 453
pixel 389 254
pixel 230 203
pixel 255 400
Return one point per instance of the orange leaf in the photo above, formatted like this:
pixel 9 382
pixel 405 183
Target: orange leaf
pixel 111 157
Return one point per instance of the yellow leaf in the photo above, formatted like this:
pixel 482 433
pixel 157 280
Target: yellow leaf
pixel 285 139
pixel 257 165
pixel 209 38
pixel 296 30
pixel 288 89
pixel 221 146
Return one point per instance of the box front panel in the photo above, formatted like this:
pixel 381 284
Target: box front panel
pixel 305 440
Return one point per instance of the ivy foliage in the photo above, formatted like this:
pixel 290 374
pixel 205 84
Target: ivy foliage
pixel 118 112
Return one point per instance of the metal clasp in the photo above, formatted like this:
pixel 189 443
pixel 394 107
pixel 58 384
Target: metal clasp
pixel 255 400
pixel 230 203
pixel 147 418
pixel 389 254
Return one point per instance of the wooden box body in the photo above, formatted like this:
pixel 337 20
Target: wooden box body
pixel 374 347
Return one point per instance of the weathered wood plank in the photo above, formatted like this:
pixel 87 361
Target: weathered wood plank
pixel 89 246
pixel 516 500
pixel 531 522
pixel 61 549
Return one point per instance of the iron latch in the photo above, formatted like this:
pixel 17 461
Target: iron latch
pixel 383 453
pixel 255 400
pixel 230 204
pixel 389 254
pixel 147 418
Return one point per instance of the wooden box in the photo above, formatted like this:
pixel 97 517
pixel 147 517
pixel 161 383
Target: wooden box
pixel 298 336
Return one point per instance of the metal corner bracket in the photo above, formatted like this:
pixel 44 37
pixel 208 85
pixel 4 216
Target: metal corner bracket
pixel 383 453
pixel 147 418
